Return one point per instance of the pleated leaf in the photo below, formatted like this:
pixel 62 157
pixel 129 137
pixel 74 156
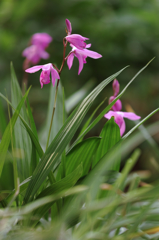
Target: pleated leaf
pixel 110 135
pixel 34 155
pixel 61 140
pixel 8 131
pixel 28 129
pixel 3 120
pixel 82 153
pixel 64 184
pixel 22 142
pixel 58 116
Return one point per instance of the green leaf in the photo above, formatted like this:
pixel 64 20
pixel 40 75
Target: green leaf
pixel 64 184
pixel 58 116
pixel 90 119
pixel 82 153
pixel 61 140
pixel 127 168
pixel 110 136
pixel 7 134
pixel 28 129
pixel 76 97
pixel 3 121
pixel 107 160
pixel 100 116
pixel 34 155
pixel 22 142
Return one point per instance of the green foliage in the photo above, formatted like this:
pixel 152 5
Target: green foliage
pixel 84 193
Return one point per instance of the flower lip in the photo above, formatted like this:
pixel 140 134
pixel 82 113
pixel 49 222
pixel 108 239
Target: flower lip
pixel 119 118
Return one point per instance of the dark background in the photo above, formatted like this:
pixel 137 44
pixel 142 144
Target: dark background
pixel 124 32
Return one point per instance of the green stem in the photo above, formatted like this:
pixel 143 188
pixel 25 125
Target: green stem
pixel 53 112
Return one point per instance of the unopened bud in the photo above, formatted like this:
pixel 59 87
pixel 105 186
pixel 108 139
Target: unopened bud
pixel 116 87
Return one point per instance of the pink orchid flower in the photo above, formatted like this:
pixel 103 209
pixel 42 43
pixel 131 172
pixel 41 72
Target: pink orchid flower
pixel 77 40
pixel 119 118
pixel 69 27
pixel 34 53
pixel 116 113
pixel 37 50
pixel 81 55
pixel 45 74
pixel 41 39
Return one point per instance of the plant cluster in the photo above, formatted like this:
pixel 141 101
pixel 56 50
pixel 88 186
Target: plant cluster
pixel 77 190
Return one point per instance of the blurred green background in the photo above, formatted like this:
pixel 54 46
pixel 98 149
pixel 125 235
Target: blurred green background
pixel 124 32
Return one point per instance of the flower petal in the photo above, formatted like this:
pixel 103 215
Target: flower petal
pixel 77 40
pixel 110 114
pixel 92 54
pixel 131 116
pixel 34 69
pixel 121 123
pixel 43 54
pixel 117 106
pixel 70 60
pixel 80 59
pixel 47 67
pixel 54 75
pixel 88 45
pixel 41 39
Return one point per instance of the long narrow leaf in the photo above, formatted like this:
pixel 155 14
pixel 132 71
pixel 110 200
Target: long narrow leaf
pixel 21 139
pixel 28 129
pixel 100 116
pixel 7 134
pixel 59 143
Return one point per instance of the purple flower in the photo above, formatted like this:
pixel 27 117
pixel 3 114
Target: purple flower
pixel 77 40
pixel 69 27
pixel 34 53
pixel 119 118
pixel 45 74
pixel 41 39
pixel 81 55
pixel 116 113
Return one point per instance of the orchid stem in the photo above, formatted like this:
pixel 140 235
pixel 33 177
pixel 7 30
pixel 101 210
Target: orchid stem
pixel 51 175
pixel 53 112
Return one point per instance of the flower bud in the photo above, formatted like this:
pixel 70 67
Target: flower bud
pixel 68 25
pixel 116 87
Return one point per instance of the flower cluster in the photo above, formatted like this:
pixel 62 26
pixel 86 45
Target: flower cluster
pixel 117 113
pixel 79 50
pixel 39 42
